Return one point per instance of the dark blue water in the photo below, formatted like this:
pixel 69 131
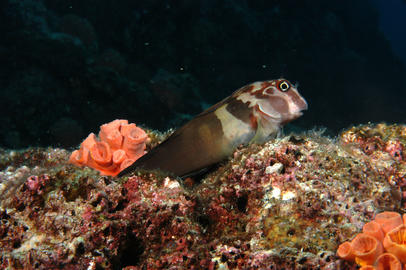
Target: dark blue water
pixel 69 66
pixel 392 22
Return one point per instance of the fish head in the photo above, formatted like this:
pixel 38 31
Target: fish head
pixel 277 101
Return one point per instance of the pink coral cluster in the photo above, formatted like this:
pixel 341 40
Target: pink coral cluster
pixel 381 245
pixel 37 184
pixel 119 146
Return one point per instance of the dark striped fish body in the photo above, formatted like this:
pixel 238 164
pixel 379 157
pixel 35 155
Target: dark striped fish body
pixel 250 115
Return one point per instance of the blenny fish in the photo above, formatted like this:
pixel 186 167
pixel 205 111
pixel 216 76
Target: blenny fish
pixel 252 114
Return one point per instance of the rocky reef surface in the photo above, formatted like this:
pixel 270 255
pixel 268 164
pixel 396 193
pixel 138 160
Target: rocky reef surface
pixel 287 204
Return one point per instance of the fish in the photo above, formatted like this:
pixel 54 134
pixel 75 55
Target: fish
pixel 252 114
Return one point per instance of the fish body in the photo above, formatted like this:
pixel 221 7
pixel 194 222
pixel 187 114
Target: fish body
pixel 252 114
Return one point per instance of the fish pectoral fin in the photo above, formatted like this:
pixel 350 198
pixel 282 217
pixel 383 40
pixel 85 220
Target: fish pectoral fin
pixel 264 131
pixel 196 173
pixel 199 174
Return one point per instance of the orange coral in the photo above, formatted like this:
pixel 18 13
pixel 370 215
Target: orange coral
pixel 119 146
pixel 366 249
pixel 395 242
pixel 373 228
pixel 345 251
pixel 388 261
pixel 367 267
pixel 387 233
pixel 388 220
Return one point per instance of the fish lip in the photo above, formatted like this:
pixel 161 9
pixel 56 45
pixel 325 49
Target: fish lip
pixel 299 109
pixel 305 107
pixel 297 114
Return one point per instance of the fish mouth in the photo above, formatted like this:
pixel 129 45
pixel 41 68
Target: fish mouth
pixel 303 106
pixel 296 115
pixel 298 109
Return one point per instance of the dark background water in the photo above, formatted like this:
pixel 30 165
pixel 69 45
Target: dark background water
pixel 392 21
pixel 69 66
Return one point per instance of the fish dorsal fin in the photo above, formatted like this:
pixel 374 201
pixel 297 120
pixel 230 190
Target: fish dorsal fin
pixel 222 102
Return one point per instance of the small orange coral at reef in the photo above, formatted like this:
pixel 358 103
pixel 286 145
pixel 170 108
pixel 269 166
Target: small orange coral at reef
pixel 118 146
pixel 382 245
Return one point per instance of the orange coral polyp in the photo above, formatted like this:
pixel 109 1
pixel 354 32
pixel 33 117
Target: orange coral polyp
pixel 395 242
pixel 101 154
pixel 388 261
pixel 366 249
pixel 127 162
pixel 345 251
pixel 374 229
pixel 109 128
pixel 367 245
pixel 134 140
pixel 119 146
pixel 89 141
pixel 114 139
pixel 367 267
pixel 133 132
pixel 388 220
pixel 79 157
pixel 119 156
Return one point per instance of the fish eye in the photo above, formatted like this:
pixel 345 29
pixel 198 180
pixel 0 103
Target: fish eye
pixel 284 86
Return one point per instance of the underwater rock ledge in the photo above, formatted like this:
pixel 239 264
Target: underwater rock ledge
pixel 286 204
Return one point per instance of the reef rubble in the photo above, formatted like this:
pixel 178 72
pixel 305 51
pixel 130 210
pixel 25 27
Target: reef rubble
pixel 287 204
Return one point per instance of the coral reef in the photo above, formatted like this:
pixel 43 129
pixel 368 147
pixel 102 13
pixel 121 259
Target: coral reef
pixel 119 146
pixel 387 233
pixel 385 148
pixel 287 204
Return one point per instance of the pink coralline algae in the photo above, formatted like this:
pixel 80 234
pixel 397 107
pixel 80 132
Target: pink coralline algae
pixel 287 204
pixel 119 146
pixel 37 183
pixel 382 149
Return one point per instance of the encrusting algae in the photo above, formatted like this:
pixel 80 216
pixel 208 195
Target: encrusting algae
pixel 286 204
